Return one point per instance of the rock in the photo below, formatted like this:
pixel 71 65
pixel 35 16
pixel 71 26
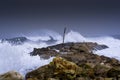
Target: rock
pixel 99 78
pixel 100 47
pixel 76 52
pixel 108 79
pixel 61 69
pixel 12 75
pixel 87 71
pixel 76 61
pixel 101 70
pixel 82 78
pixel 113 72
pixel 86 47
pixel 58 69
pixel 16 40
pixel 45 53
pixel 52 79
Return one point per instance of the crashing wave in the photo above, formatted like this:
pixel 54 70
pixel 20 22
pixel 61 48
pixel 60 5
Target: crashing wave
pixel 16 57
pixel 73 36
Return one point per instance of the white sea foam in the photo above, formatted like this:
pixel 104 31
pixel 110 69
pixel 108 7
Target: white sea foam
pixel 73 36
pixel 17 58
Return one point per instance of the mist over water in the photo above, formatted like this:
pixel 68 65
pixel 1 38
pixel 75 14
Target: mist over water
pixel 17 57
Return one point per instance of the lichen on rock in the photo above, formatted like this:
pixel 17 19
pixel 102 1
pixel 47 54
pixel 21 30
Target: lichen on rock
pixel 66 68
pixel 59 69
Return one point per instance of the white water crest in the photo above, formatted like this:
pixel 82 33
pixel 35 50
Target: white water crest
pixel 114 47
pixel 17 57
pixel 73 36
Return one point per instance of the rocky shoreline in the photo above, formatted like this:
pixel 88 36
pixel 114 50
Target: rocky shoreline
pixel 74 61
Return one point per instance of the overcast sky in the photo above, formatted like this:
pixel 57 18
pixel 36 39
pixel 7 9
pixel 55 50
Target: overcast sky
pixel 89 17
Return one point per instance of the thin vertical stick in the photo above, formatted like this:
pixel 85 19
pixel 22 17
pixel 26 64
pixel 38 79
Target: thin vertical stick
pixel 64 35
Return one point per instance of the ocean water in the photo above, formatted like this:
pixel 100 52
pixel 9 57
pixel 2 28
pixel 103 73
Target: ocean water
pixel 17 57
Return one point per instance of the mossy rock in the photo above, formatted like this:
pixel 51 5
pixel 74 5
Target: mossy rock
pixel 85 66
pixel 87 71
pixel 63 68
pixel 59 69
pixel 101 70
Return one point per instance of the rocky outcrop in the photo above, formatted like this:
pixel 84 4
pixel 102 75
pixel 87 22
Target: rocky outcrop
pixel 78 53
pixel 61 69
pixel 12 75
pixel 16 40
pixel 62 49
pixel 89 45
pixel 90 66
pixel 58 69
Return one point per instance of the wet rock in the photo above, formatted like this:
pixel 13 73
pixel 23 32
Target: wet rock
pixel 45 53
pixel 86 47
pixel 16 40
pixel 100 47
pixel 12 75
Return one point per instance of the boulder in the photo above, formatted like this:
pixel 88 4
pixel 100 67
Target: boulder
pixel 12 75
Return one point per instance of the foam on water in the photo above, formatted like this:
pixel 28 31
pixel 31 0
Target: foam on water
pixel 114 46
pixel 113 52
pixel 16 57
pixel 109 41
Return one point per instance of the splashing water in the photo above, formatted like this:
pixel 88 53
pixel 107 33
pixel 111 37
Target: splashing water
pixel 16 57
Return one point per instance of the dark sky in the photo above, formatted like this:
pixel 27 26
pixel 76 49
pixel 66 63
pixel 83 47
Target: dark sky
pixel 89 17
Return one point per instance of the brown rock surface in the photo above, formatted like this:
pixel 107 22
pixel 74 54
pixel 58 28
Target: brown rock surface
pixel 58 69
pixel 76 56
pixel 78 53
pixel 12 75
